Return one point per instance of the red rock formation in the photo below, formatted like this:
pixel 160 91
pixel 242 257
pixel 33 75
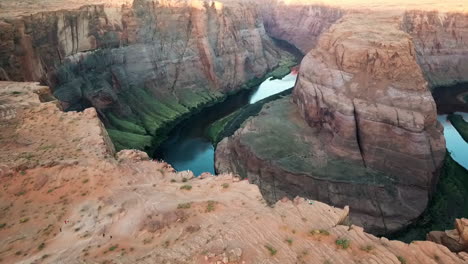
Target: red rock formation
pixel 373 140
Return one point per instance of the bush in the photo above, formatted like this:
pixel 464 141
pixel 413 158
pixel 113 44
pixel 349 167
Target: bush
pixel 184 206
pixel 186 187
pixel 272 250
pixel 401 259
pixel 343 243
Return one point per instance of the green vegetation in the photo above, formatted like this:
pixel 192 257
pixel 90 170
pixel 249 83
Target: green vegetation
pixel 186 187
pixel 184 206
pixel 215 131
pixel 284 67
pixel 125 140
pixel 460 125
pixel 114 247
pixel 24 220
pixel 401 259
pixel 211 206
pixel 271 249
pixel 343 243
pixel 448 203
pixel 2 225
pixel 289 241
pixel 141 111
pixel 225 185
pixel 226 126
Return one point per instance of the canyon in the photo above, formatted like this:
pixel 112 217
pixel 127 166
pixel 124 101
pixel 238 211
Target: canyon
pixel 359 131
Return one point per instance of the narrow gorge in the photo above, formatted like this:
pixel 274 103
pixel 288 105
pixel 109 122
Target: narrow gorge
pixel 174 131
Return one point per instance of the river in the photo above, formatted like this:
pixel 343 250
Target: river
pixel 188 147
pixel 456 145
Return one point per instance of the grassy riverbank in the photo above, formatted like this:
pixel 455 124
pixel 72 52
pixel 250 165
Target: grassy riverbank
pixel 153 119
pixel 226 126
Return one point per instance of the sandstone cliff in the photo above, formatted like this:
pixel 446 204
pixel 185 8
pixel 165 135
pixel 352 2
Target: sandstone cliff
pixel 299 24
pixel 143 66
pixel 65 198
pixel 364 132
pixel 441 43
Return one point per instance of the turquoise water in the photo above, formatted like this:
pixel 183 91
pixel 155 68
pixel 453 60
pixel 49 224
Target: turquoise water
pixel 187 147
pixel 457 147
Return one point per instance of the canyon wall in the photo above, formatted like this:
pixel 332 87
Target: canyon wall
pixel 441 43
pixel 299 24
pixel 361 129
pixel 142 66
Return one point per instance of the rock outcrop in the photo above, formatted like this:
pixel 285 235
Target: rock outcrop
pixel 142 66
pixel 66 199
pixel 363 127
pixel 456 240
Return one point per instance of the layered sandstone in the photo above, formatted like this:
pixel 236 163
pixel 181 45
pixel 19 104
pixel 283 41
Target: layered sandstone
pixel 142 66
pixel 66 199
pixel 363 127
pixel 441 43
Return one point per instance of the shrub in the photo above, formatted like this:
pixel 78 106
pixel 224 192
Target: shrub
pixel 343 243
pixel 401 259
pixel 272 250
pixel 184 206
pixel 210 206
pixel 186 187
pixel 225 185
pixel 114 247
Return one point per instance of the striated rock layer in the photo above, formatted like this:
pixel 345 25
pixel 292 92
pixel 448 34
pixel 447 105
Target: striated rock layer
pixel 363 127
pixel 66 199
pixel 142 66
pixel 441 43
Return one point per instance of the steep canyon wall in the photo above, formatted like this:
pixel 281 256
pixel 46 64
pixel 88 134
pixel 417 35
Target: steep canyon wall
pixel 142 66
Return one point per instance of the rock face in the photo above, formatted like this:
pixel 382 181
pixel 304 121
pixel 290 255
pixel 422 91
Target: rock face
pixel 299 24
pixel 441 43
pixel 66 199
pixel 141 66
pixel 363 127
